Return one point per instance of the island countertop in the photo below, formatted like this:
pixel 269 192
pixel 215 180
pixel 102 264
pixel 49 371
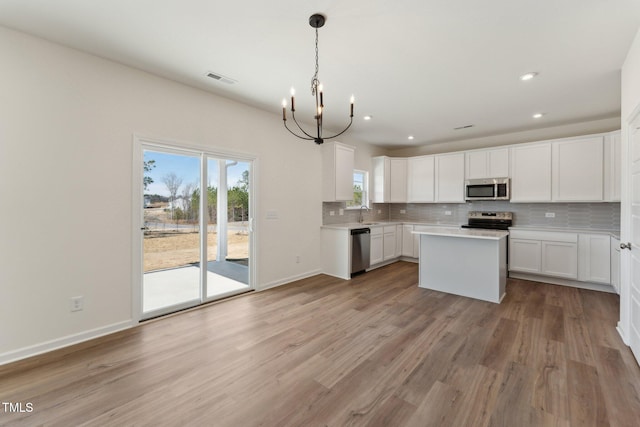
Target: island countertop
pixel 470 233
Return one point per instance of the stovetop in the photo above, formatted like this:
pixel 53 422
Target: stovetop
pixel 489 220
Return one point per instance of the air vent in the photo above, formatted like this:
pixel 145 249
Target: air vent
pixel 221 78
pixel 463 127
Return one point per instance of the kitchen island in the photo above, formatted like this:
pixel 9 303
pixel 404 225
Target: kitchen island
pixel 463 261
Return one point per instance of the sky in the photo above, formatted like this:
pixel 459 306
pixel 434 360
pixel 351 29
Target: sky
pixel 187 168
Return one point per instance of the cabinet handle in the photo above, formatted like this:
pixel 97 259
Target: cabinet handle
pixel 625 245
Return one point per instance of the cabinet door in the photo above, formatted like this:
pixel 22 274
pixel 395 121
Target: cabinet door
pixel 421 176
pixel 615 264
pixel 498 163
pixel 524 256
pixel 560 259
pixel 594 258
pixel 389 245
pixel 380 179
pixel 476 164
pixel 578 170
pixel 612 172
pixel 338 163
pixel 531 173
pixel 407 241
pixel 450 178
pixel 398 181
pixel 377 245
pixel 399 240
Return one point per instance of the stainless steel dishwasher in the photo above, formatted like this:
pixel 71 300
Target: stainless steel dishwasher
pixel 360 246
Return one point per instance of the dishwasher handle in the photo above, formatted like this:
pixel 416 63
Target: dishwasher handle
pixel 357 231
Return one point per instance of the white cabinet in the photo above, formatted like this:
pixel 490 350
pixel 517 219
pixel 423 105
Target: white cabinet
pixel 388 180
pixel 531 173
pixel 546 253
pixel 615 264
pixel 560 259
pixel 594 258
pixel 577 166
pixel 337 164
pixel 398 180
pixel 408 242
pixel 399 239
pixel 376 250
pixel 449 171
pixel 421 176
pixel 524 255
pixel 389 242
pixel 612 172
pixel 493 163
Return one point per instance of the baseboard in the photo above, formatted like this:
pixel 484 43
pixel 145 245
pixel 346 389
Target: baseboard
pixel 290 279
pixel 563 282
pixel 622 334
pixel 45 347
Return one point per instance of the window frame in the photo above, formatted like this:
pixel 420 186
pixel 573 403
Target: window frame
pixel 365 190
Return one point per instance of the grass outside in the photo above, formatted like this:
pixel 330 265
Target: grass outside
pixel 169 249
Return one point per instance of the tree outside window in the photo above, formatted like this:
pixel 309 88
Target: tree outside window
pixel 360 190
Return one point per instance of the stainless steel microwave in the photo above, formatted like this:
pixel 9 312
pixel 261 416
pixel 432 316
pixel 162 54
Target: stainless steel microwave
pixel 487 189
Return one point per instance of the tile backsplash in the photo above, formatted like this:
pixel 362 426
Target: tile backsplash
pixel 595 216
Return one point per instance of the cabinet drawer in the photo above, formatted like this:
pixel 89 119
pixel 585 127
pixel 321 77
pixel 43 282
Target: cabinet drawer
pixel 549 236
pixel 389 229
pixel 376 230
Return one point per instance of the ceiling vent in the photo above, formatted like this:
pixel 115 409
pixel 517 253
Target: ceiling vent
pixel 463 127
pixel 221 78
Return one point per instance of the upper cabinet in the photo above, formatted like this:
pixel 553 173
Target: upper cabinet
pixel 581 169
pixel 337 163
pixel 577 170
pixel 492 163
pixel 389 180
pixel 612 158
pixel 449 181
pixel 531 173
pixel 398 181
pixel 421 176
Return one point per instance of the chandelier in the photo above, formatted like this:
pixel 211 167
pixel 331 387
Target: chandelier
pixel 316 21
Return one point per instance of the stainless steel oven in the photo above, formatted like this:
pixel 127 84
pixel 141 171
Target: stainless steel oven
pixel 487 189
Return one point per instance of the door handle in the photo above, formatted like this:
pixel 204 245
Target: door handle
pixel 625 245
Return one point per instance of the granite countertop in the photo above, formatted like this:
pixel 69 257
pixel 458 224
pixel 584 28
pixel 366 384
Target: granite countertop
pixel 373 224
pixel 614 233
pixel 469 233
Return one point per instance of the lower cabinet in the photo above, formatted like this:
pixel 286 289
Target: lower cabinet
pixel 389 242
pixel 573 256
pixel 377 246
pixel 615 264
pixel 408 242
pixel 560 259
pixel 594 252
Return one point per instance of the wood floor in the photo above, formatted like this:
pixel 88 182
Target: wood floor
pixel 373 351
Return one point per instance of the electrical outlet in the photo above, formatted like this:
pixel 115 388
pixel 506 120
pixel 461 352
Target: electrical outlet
pixel 297 259
pixel 403 211
pixel 447 212
pixel 550 215
pixel 77 303
pixel 379 211
pixel 341 211
pixel 332 213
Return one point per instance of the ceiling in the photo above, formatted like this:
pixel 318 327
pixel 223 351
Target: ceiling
pixel 418 67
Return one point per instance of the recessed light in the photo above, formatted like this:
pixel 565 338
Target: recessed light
pixel 528 76
pixel 538 115
pixel 367 118
pixel 410 137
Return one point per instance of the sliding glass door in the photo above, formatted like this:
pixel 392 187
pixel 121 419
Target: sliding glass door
pixel 195 249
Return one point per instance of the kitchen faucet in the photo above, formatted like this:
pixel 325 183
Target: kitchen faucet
pixel 361 217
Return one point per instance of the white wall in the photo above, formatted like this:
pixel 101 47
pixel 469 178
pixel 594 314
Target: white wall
pixel 66 126
pixel 630 87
